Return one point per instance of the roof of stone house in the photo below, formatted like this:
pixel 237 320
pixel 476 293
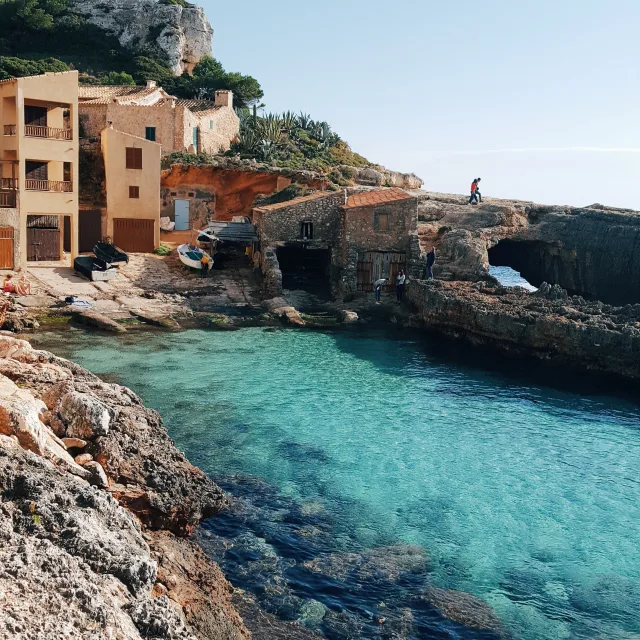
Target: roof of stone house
pixel 199 107
pixel 376 197
pixel 295 201
pixel 38 75
pixel 102 94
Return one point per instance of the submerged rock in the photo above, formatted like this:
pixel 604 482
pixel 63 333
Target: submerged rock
pixel 464 609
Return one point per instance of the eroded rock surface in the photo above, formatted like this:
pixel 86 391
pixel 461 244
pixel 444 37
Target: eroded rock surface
pixel 74 562
pixel 589 251
pixel 549 325
pixel 182 34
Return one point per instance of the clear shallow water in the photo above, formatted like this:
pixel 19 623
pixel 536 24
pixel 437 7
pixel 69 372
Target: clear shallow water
pixel 508 277
pixel 522 494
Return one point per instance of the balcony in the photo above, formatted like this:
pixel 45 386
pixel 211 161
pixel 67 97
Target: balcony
pixel 34 131
pixel 57 186
pixel 10 129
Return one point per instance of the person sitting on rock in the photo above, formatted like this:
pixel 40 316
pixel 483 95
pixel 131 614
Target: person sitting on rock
pixel 8 286
pixel 476 196
pixel 428 269
pixel 23 287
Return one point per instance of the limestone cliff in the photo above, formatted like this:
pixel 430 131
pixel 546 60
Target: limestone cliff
pixel 181 35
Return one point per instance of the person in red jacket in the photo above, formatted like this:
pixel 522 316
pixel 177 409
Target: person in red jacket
pixel 476 196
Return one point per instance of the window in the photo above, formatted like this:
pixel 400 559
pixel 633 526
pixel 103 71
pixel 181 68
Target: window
pixel 195 139
pixel 174 193
pixel 210 124
pixel 66 172
pixel 381 221
pixel 134 192
pixel 192 194
pixel 134 158
pixel 306 230
pixel 37 170
pixel 35 116
pixel 150 134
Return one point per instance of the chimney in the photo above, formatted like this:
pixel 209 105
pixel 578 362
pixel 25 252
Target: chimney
pixel 151 84
pixel 224 99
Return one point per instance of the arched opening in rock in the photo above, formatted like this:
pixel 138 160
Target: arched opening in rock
pixel 585 272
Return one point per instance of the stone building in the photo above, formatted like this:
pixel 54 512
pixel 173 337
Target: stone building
pixel 39 150
pixel 149 112
pixel 337 241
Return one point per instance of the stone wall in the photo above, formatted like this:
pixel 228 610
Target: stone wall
pixel 218 130
pixel 282 222
pixel 360 236
pixel 11 218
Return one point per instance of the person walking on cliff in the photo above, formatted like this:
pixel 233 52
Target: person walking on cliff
pixel 400 280
pixel 431 260
pixel 476 196
pixel 377 287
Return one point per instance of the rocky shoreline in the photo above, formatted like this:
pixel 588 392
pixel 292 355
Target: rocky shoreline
pixel 96 504
pixel 548 325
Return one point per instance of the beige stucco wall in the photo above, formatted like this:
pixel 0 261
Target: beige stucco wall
pixel 57 92
pixel 119 179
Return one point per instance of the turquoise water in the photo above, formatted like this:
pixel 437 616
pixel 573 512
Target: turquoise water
pixel 524 495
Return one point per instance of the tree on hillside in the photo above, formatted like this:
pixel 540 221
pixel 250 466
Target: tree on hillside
pixel 35 15
pixel 117 78
pixel 209 76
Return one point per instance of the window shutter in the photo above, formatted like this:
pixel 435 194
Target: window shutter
pixel 134 192
pixel 138 158
pixel 129 158
pixel 134 158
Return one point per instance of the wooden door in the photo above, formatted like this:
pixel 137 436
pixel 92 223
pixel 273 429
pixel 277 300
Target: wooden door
pixel 373 265
pixel 134 235
pixel 90 231
pixel 6 248
pixel 43 244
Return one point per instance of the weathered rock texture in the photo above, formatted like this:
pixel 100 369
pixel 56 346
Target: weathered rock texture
pixel 591 251
pixel 74 562
pixel 182 34
pixel 548 325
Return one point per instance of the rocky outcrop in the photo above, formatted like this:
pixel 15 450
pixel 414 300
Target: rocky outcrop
pixel 588 251
pixel 181 33
pixel 549 325
pixel 75 561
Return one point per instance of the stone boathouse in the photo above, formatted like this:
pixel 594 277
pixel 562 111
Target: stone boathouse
pixel 338 242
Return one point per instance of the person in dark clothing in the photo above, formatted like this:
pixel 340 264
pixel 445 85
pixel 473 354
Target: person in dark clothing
pixel 205 263
pixel 476 196
pixel 431 260
pixel 400 280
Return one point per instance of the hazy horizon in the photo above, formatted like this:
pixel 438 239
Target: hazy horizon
pixel 541 102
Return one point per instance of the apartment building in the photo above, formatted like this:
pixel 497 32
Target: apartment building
pixel 39 150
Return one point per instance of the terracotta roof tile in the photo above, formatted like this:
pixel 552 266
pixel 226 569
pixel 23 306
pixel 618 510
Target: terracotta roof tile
pixel 376 197
pixel 199 107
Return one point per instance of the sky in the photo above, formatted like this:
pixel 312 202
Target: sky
pixel 539 98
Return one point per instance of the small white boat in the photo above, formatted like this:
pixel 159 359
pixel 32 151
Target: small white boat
pixel 192 256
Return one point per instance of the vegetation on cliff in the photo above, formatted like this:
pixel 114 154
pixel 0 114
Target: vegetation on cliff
pixel 296 142
pixel 45 35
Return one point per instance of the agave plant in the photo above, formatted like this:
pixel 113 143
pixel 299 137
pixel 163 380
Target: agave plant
pixel 267 149
pixel 304 121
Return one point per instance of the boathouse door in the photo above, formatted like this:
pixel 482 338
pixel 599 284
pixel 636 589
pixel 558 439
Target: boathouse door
pixel 373 265
pixel 182 215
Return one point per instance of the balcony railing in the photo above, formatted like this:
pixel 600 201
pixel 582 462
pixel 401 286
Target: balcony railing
pixel 32 131
pixel 8 183
pixel 48 185
pixel 7 199
pixel 10 129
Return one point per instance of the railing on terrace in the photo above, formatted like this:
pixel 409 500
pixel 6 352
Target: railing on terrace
pixel 48 185
pixel 8 183
pixel 10 129
pixel 8 199
pixel 33 131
